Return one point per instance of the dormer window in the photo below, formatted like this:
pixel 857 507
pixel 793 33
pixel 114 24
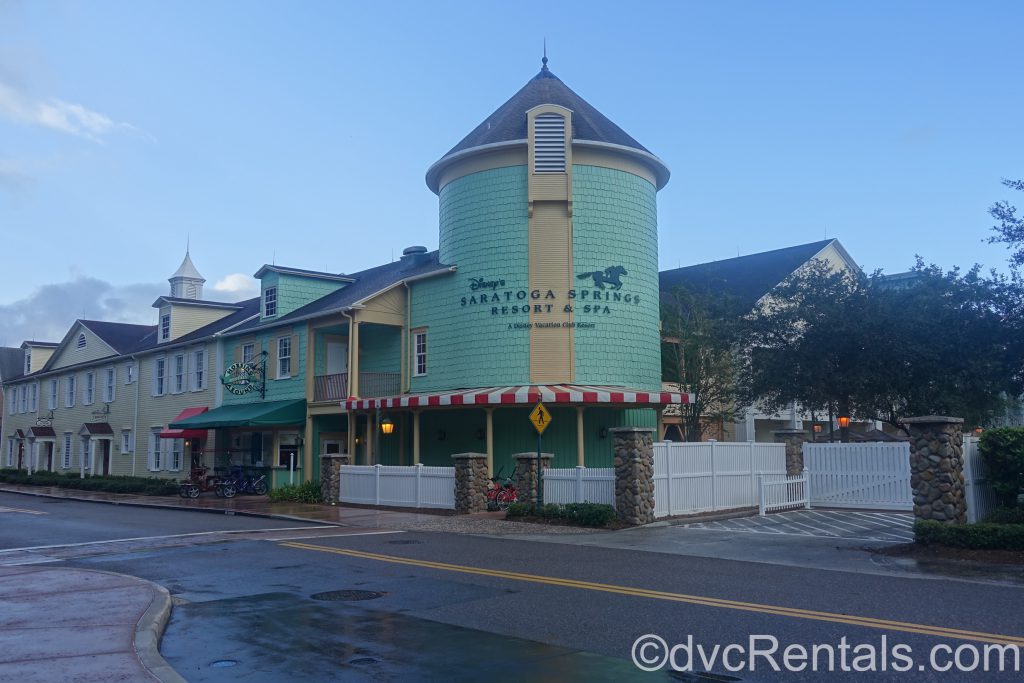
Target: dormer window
pixel 80 344
pixel 269 302
pixel 28 361
pixel 549 143
pixel 165 327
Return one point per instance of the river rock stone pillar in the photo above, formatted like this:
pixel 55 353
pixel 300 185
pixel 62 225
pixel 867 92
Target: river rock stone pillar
pixel 330 476
pixel 937 468
pixel 526 474
pixel 794 440
pixel 470 482
pixel 634 474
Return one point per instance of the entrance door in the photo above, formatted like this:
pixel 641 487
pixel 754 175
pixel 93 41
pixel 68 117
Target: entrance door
pixel 106 456
pixel 49 456
pixel 21 454
pixel 337 357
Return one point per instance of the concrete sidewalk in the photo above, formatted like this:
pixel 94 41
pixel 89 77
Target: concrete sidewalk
pixel 61 624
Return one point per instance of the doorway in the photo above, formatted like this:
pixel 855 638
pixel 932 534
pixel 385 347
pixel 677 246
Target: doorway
pixel 49 456
pixel 337 357
pixel 105 446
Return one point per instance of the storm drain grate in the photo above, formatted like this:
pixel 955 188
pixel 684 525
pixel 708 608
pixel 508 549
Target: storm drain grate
pixel 224 663
pixel 340 596
pixel 363 660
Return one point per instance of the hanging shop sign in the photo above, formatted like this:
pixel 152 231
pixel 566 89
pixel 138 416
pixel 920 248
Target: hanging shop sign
pixel 245 378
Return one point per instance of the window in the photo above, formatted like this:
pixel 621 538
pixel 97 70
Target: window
pixel 110 379
pixel 129 373
pixel 248 351
pixel 269 302
pixel 69 392
pixel 549 143
pixel 80 344
pixel 33 398
pixel 284 357
pixel 165 327
pixel 179 374
pixel 51 400
pixel 126 441
pixel 419 363
pixel 22 398
pixel 159 376
pixel 65 460
pixel 174 446
pixel 10 452
pixel 28 361
pixel 89 390
pixel 155 463
pixel 86 454
pixel 12 401
pixel 198 370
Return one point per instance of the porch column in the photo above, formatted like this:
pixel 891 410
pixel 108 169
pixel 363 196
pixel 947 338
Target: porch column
pixel 353 365
pixel 92 456
pixel 580 451
pixel 937 468
pixel 369 439
pixel 81 458
pixel 307 447
pixel 660 423
pixel 415 437
pixel 490 441
pixel 29 459
pixel 350 435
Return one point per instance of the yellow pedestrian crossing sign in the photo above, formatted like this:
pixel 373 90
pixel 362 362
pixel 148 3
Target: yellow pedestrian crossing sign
pixel 540 417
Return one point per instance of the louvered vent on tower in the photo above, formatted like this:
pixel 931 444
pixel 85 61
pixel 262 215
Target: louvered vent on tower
pixel 549 143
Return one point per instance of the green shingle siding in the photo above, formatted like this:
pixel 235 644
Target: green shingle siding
pixel 277 389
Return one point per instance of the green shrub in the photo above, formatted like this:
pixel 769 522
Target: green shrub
pixel 146 486
pixel 984 536
pixel 1013 515
pixel 1003 452
pixel 583 514
pixel 306 492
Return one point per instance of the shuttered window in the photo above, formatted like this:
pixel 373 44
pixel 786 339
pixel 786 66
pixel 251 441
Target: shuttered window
pixel 549 143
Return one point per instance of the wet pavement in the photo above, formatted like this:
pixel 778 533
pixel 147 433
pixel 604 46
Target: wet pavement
pixel 884 527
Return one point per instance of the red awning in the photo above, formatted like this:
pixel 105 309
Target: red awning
pixel 523 395
pixel 167 433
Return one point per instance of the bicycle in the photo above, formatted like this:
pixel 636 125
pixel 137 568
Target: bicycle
pixel 501 495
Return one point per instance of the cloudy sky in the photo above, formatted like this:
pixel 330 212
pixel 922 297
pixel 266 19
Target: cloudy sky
pixel 277 132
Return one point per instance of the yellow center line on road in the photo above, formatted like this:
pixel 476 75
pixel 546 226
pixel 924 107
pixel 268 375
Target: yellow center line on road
pixel 866 622
pixel 22 510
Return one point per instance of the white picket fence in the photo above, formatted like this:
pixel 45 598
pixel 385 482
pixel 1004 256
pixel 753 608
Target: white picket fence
pixel 580 485
pixel 401 486
pixel 981 497
pixel 859 475
pixel 788 493
pixel 710 476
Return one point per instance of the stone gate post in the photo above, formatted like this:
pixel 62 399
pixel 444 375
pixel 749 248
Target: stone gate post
pixel 330 476
pixel 470 482
pixel 794 440
pixel 526 474
pixel 937 468
pixel 634 474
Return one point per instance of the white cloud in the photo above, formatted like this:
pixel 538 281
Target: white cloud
pixel 237 286
pixel 48 312
pixel 56 114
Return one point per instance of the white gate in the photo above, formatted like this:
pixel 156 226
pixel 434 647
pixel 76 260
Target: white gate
pixel 580 485
pixel 412 486
pixel 859 475
pixel 981 497
pixel 710 476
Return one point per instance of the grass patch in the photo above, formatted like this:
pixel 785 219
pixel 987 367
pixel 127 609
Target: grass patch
pixel 146 486
pixel 306 492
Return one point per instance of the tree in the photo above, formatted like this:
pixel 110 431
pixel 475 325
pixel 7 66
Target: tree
pixel 942 343
pixel 700 354
pixel 1010 230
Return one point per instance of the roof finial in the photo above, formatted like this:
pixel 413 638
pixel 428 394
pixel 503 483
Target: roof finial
pixel 544 61
pixel 188 241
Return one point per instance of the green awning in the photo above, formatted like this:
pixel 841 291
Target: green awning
pixel 264 414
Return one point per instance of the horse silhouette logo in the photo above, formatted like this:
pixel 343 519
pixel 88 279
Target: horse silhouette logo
pixel 611 276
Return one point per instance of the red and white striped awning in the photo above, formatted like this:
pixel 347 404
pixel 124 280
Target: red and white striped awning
pixel 522 395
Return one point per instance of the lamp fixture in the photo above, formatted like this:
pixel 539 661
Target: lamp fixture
pixel 817 428
pixel 844 421
pixel 386 426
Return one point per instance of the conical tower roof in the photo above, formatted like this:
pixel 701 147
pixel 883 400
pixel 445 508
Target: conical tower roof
pixel 187 270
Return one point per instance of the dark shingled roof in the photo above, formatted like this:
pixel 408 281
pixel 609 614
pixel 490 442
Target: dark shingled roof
pixel 748 278
pixel 367 282
pixel 12 363
pixel 198 302
pixel 509 121
pixel 122 337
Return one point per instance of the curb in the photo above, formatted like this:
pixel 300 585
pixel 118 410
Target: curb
pixel 165 506
pixel 148 632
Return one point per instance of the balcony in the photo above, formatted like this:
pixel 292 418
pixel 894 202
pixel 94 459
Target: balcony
pixel 371 384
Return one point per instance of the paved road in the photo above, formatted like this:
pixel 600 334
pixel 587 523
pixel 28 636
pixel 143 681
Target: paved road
pixel 465 608
pixel 889 527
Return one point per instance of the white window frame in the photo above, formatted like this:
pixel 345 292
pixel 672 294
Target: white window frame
pixel 419 353
pixel 86 453
pixel 109 385
pixel 69 391
pixel 89 389
pixel 165 326
pixel 23 398
pixel 154 455
pixel 65 457
pixel 129 373
pixel 283 359
pixel 251 348
pixel 198 374
pixel 176 449
pixel 159 376
pixel 269 302
pixel 33 398
pixel 126 441
pixel 178 377
pixel 51 400
pixel 28 361
pixel 11 396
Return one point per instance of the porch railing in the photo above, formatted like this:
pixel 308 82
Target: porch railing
pixel 330 387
